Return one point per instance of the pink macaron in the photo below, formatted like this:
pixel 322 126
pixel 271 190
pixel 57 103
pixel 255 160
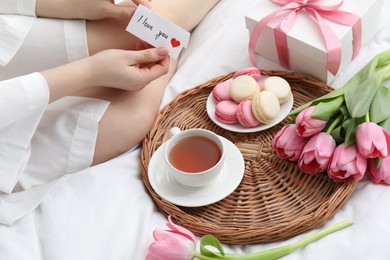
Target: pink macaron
pixel 245 115
pixel 221 92
pixel 250 71
pixel 225 112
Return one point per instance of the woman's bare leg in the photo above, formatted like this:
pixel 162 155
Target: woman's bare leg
pixel 129 117
pixel 131 114
pixel 110 33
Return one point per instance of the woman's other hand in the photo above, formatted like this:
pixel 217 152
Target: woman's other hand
pixel 87 9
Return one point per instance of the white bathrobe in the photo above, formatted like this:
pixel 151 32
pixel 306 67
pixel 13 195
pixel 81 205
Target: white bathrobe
pixel 15 22
pixel 39 142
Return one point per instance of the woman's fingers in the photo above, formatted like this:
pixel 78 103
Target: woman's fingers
pixel 125 10
pixel 149 55
pixel 145 3
pixel 153 62
pixel 119 12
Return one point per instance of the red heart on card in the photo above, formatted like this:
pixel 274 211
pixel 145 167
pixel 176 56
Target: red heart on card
pixel 175 43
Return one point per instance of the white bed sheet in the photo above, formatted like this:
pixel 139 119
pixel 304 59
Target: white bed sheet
pixel 105 212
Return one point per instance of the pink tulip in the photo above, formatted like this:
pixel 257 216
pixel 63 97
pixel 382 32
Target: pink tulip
pixel 307 125
pixel 347 162
pixel 372 140
pixel 381 174
pixel 288 144
pixel 317 153
pixel 177 243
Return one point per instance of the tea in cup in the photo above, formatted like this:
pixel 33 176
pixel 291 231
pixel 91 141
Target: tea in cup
pixel 195 157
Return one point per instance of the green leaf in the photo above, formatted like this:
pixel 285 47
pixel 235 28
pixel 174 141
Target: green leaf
pixel 380 106
pixel 331 95
pixel 335 93
pixel 344 111
pixel 299 109
pixel 358 95
pixel 326 110
pixel 209 240
pixel 361 88
pixel 337 134
pixel 383 59
pixel 350 127
pixel 385 124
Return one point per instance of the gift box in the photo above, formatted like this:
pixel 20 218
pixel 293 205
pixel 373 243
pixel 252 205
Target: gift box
pixel 305 45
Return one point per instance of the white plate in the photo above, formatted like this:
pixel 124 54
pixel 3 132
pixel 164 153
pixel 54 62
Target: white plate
pixel 284 110
pixel 169 189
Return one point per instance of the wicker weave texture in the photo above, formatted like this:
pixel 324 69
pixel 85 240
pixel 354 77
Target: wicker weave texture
pixel 274 201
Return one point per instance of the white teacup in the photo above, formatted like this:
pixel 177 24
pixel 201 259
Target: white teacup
pixel 195 157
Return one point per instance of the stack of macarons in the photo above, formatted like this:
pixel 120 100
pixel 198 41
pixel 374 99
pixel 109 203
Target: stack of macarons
pixel 243 100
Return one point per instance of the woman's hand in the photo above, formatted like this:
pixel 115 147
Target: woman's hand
pixel 128 70
pixel 120 69
pixel 87 9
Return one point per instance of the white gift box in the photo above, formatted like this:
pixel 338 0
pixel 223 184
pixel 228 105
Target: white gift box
pixel 306 47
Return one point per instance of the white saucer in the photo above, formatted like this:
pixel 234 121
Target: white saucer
pixel 169 189
pixel 284 110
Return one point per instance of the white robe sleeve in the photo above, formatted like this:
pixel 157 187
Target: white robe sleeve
pixel 22 7
pixel 22 103
pixel 16 19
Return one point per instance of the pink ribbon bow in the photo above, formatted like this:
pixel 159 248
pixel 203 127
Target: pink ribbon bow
pixel 318 11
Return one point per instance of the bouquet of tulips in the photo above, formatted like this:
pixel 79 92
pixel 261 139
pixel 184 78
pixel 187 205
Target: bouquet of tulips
pixel 346 132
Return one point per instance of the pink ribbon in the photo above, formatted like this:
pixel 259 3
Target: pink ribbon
pixel 318 11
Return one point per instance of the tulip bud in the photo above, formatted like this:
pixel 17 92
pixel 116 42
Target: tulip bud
pixel 288 144
pixel 372 140
pixel 317 153
pixel 347 162
pixel 307 125
pixel 379 174
pixel 178 243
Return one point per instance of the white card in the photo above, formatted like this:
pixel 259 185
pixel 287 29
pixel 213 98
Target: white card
pixel 157 31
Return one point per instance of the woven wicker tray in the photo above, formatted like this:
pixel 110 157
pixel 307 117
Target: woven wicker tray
pixel 274 201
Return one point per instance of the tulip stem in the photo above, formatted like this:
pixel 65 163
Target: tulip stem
pixel 278 252
pixel 367 117
pixel 202 257
pixel 334 124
